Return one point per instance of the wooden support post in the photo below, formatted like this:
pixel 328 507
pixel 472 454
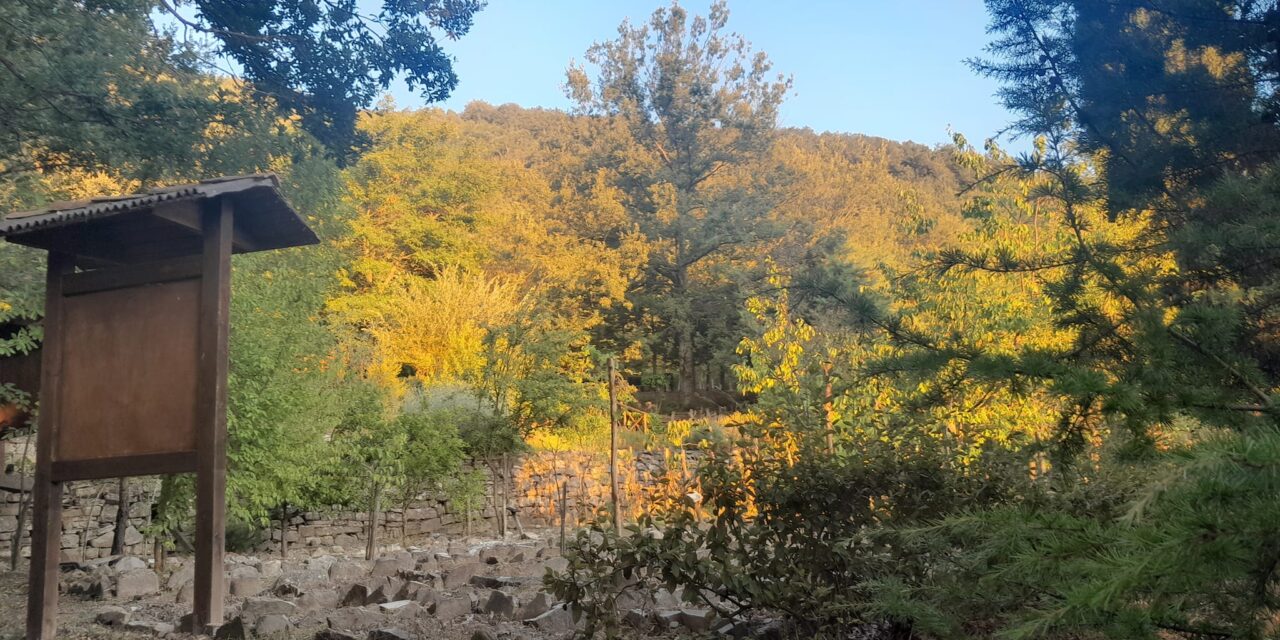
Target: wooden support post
pixel 613 447
pixel 211 414
pixel 46 534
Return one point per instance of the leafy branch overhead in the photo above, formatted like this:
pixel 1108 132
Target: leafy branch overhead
pixel 327 60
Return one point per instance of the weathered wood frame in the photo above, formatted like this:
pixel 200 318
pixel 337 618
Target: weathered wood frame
pixel 213 268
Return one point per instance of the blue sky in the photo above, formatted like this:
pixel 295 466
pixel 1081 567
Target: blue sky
pixel 891 69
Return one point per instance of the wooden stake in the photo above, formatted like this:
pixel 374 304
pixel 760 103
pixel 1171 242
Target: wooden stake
pixel 613 447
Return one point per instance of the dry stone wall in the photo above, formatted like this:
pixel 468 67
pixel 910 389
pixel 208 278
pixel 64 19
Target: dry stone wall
pixel 647 478
pixel 89 512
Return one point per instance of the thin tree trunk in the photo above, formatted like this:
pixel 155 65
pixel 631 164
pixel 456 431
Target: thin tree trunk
pixel 506 492
pixel 564 509
pixel 122 517
pixel 495 482
pixel 159 552
pixel 404 525
pixel 684 346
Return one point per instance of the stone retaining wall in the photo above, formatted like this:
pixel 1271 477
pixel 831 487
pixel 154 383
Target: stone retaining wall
pixel 89 510
pixel 647 478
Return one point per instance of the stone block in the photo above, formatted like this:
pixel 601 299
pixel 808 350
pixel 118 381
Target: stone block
pixel 347 571
pixel 450 607
pixel 389 633
pixel 500 604
pixel 235 629
pixel 334 634
pixel 136 583
pixel 112 616
pixel 255 608
pixel 129 563
pixel 697 620
pixel 353 619
pixel 557 621
pixel 245 586
pixel 272 625
pixel 318 600
pixel 539 604
pixel 461 575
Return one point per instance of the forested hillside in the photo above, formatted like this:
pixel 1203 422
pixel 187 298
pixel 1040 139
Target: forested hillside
pixel 957 393
pixel 501 214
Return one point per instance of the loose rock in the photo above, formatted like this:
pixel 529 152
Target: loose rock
pixel 460 575
pixel 558 620
pixel 318 600
pixel 136 583
pixel 639 620
pixel 285 588
pixel 147 626
pixel 410 611
pixel 388 634
pixel 271 568
pixel 388 590
pixel 353 618
pixel 347 571
pixel 390 565
pixel 539 604
pixel 243 571
pixel 333 634
pixel 500 604
pixel 356 595
pixel 245 586
pixel 112 617
pixel 129 563
pixel 255 608
pixel 448 608
pixel 697 620
pixel 182 576
pixel 271 625
pixel 233 630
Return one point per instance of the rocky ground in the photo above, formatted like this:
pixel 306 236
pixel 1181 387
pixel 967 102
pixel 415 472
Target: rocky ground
pixel 473 590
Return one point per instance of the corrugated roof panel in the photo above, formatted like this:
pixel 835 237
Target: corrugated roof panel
pixel 256 194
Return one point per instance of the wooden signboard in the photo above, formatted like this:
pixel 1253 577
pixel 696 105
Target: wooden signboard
pixel 133 374
pixel 128 399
